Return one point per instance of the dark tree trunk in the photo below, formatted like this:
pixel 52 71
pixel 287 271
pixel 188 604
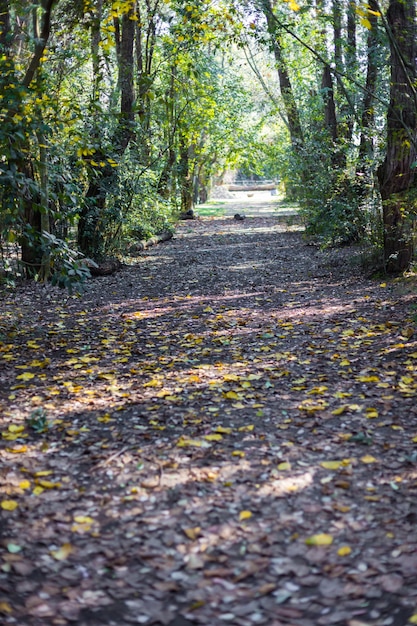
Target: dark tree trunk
pixel 186 177
pixel 397 173
pixel 329 104
pixel 351 36
pixel 366 147
pixel 337 34
pixel 90 231
pixel 291 110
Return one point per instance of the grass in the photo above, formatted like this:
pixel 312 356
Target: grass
pixel 212 208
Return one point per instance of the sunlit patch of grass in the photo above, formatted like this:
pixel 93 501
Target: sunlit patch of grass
pixel 212 208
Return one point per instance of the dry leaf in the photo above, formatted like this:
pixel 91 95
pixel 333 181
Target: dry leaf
pixel 9 505
pixel 344 551
pixel 63 552
pixel 322 539
pixel 331 465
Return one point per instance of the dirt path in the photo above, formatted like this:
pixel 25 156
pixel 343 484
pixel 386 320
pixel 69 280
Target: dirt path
pixel 224 433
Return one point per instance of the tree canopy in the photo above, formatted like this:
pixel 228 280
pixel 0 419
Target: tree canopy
pixel 118 116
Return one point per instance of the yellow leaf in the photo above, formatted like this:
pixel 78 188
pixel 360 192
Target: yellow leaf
pixel 368 459
pixel 345 363
pixel 224 431
pixel 413 619
pixel 371 413
pixel 47 484
pixel 231 395
pixel 213 437
pixel 43 473
pixel 284 466
pixel 83 519
pixel 63 552
pixel 183 442
pixel 246 429
pixel 311 408
pixel 318 391
pixel 340 410
pixel 38 490
pixel 414 440
pixel 331 465
pixel 24 484
pixel 344 551
pixel 19 450
pixel 366 24
pixel 105 418
pixel 322 539
pixel 293 5
pixel 25 376
pixel 245 515
pixel 238 453
pixel 5 607
pixel 153 383
pixel 192 533
pixel 32 344
pixel 9 505
pixel 15 428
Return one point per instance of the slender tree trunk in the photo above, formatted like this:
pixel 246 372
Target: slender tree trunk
pixel 287 93
pixel 366 147
pixel 330 118
pixel 397 178
pixel 351 36
pixel 186 176
pixel 337 34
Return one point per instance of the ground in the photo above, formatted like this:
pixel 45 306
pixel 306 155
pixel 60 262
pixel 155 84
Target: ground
pixel 222 433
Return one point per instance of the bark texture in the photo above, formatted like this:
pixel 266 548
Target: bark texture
pixel 397 173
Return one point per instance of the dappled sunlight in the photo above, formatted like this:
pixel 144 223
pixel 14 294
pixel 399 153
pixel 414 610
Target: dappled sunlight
pixel 238 427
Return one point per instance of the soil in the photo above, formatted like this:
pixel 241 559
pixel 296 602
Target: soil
pixel 223 432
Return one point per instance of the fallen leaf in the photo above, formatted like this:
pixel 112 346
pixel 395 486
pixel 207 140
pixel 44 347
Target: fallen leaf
pixel 322 539
pixel 9 505
pixel 344 551
pixel 192 533
pixel 63 552
pixel 245 515
pixel 331 465
pixel 5 607
pixel 13 548
pixel 368 459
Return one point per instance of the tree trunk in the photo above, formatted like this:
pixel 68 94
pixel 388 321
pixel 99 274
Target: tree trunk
pixel 337 35
pixel 293 118
pixel 186 177
pixel 366 147
pixel 90 224
pixel 397 173
pixel 330 118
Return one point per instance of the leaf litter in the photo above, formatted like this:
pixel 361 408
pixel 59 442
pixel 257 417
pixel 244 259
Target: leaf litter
pixel 223 433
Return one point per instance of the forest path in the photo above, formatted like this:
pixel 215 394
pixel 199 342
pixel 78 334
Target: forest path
pixel 223 433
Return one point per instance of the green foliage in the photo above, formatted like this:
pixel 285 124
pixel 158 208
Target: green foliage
pixel 330 196
pixel 38 421
pixel 69 269
pixel 148 214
